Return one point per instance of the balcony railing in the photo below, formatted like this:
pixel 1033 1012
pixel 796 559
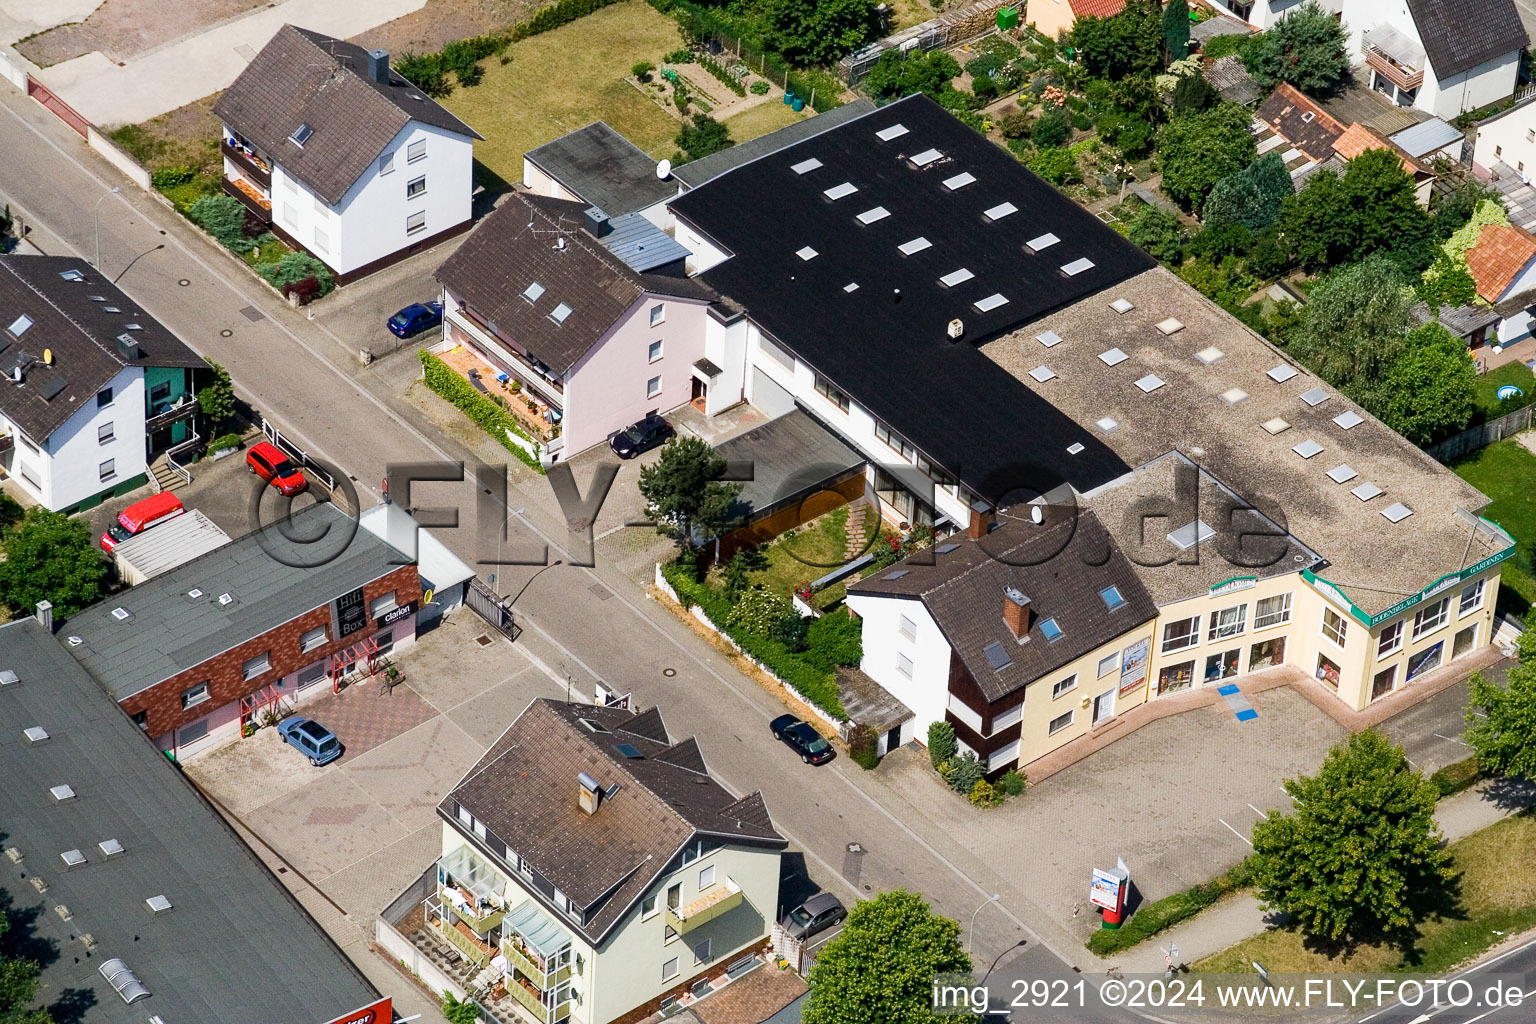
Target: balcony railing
pixel 713 904
pixel 533 1002
pixel 554 391
pixel 477 952
pixel 531 966
pixel 481 921
pixel 1401 75
pixel 261 208
pixel 251 165
pixel 172 410
pixel 7 442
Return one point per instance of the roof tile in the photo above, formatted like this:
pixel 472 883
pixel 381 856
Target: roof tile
pixel 1501 252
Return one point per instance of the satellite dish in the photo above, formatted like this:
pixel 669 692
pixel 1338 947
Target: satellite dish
pixel 664 170
pixel 48 356
pixel 1036 514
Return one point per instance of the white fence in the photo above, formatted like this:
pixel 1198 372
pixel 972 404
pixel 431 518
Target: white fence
pixel 13 70
pixel 136 172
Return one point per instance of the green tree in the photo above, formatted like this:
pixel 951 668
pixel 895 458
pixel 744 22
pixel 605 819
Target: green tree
pixel 819 32
pixel 1501 720
pixel 18 985
pixel 1353 329
pixel 1176 31
pixel 1431 388
pixel 703 136
pixel 1359 858
pixel 1193 94
pixel 460 1011
pixel 738 571
pixel 1388 215
pixel 1447 282
pixel 1052 128
pixel 941 742
pixel 49 556
pixel 897 73
pixel 882 965
pixel 1305 48
pixel 1198 150
pixel 1123 44
pixel 684 494
pixel 216 398
pixel 1159 233
pixel 1454 208
pixel 1252 197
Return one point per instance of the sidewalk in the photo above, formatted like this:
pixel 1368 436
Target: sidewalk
pixel 1237 917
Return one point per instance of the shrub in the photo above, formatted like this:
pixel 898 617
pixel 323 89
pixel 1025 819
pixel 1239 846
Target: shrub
pixel 984 795
pixel 835 639
pixel 941 743
pixel 1012 782
pixel 223 217
pixel 305 290
pixel 1454 778
pixel 643 70
pixel 964 772
pixel 1170 910
pixel 1054 165
pixel 170 177
pixel 425 71
pixel 759 610
pixel 791 631
pixel 1051 128
pixel 555 15
pixel 1016 125
pixel 862 742
pixel 490 417
pixel 294 267
pixel 679 57
pixel 725 78
pixel 224 441
pixel 758 88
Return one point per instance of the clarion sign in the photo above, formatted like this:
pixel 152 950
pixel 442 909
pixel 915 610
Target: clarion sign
pixel 380 1012
pixel 1234 584
pixel 1446 582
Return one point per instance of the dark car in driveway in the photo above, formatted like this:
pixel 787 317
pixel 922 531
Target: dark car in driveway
pixel 638 438
pixel 798 736
pixel 816 914
pixel 415 318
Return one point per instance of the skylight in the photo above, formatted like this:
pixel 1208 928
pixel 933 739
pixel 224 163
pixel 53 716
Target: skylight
pixel 35 733
pixel 301 134
pixel 1041 374
pixel 806 166
pixel 1122 305
pixel 1076 448
pixel 851 287
pixel 842 191
pixel 1150 383
pixel 1342 473
pixel 1234 396
pixel 1077 266
pixel 110 847
pixel 19 325
pixel 1190 534
pixel 1112 597
pixel 559 313
pixel 72 275
pixel 991 302
pixel 533 291
pixel 1114 357
pixel 944 549
pixel 62 792
pixel 996 656
pixel 806 253
pixel 1209 355
pixel 1276 425
pixel 916 245
pixel 1282 373
pixel 959 181
pixel 1050 339
pixel 158 904
pixel 1170 326
pixel 1349 420
pixel 999 211
pixel 121 614
pixel 1397 512
pixel 898 574
pixel 926 157
pixel 134 327
pixel 895 131
pixel 1108 424
pixel 872 215
pixel 72 858
pixel 1307 448
pixel 1049 629
pixel 1041 242
pixel 1316 396
pixel 1366 491
pixel 955 277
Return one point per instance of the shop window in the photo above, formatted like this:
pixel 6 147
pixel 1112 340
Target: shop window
pixel 1174 678
pixel 1229 622
pixel 1464 641
pixel 1059 723
pixel 1428 619
pixel 1334 626
pixel 194 695
pixel 257 666
pixel 1266 654
pixel 1272 611
pixel 382 605
pixel 1328 672
pixel 386 642
pixel 313 638
pixel 1384 682
pixel 1425 660
pixel 1391 639
pixel 1471 598
pixel 1181 634
pixel 1221 666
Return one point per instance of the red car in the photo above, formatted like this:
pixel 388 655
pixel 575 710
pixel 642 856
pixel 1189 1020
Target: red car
pixel 266 461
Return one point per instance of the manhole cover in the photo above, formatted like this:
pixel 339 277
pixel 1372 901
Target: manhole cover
pixel 669 672
pixel 253 314
pixel 226 332
pixel 484 640
pixel 601 591
pixel 184 282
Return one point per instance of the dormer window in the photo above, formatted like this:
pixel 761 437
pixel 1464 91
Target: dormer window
pixel 301 134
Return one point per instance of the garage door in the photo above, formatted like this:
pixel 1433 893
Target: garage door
pixel 769 396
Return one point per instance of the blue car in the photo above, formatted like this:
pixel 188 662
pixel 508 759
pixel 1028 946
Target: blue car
pixel 314 740
pixel 415 318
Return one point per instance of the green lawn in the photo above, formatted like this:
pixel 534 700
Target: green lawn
pixel 1497 899
pixel 1488 384
pixel 809 552
pixel 1505 471
pixel 766 117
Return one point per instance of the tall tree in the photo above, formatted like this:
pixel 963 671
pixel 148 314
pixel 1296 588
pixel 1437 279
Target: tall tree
pixel 1252 197
pixel 216 398
pixel 1198 150
pixel 1431 387
pixel 1305 48
pixel 1370 208
pixel 1175 31
pixel 898 73
pixel 1128 43
pixel 1501 720
pixel 1359 858
pixel 684 494
pixel 18 986
pixel 1353 329
pixel 881 967
pixel 816 32
pixel 1381 192
pixel 49 556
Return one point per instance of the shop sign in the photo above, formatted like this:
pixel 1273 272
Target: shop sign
pixel 1446 582
pixel 380 1012
pixel 1108 889
pixel 1233 585
pixel 396 614
pixel 350 612
pixel 1133 666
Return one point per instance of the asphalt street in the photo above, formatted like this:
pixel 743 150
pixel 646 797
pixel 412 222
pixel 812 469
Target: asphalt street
pixel 1484 993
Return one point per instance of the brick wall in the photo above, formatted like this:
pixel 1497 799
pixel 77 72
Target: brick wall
pixel 225 675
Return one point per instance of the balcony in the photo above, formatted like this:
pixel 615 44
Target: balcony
pixel 169 411
pixel 251 165
pixel 528 407
pixel 458 935
pixel 7 442
pixel 1394 56
pixel 535 967
pixel 1398 74
pixel 720 900
pixel 522 366
pixel 250 197
pixel 532 1000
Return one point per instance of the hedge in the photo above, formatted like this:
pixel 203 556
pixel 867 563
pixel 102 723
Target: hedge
pixel 492 418
pixel 1169 911
pixel 815 684
pixel 555 15
pixel 1455 777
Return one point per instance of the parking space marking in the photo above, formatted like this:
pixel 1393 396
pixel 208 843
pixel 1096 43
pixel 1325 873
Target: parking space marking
pixel 1259 812
pixel 1453 739
pixel 1236 832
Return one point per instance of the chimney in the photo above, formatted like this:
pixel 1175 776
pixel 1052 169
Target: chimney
pixel 378 66
pixel 596 222
pixel 981 520
pixel 591 793
pixel 45 614
pixel 1016 612
pixel 127 348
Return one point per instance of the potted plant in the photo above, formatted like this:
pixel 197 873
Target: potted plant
pixel 224 445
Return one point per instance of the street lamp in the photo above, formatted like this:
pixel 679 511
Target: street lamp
pixel 96 221
pixel 535 576
pixel 971 932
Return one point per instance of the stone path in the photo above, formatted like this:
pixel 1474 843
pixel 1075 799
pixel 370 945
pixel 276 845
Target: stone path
pixel 858 515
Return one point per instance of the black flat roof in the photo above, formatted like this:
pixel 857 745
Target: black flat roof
pixel 796 251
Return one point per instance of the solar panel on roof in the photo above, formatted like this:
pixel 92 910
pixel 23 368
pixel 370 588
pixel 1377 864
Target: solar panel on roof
pixel 895 131
pixel 874 214
pixel 996 656
pixel 805 166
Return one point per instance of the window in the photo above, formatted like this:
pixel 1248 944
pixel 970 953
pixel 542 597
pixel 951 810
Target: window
pixel 1463 641
pixel 1471 598
pixel 1328 672
pixel 416 151
pixel 1112 598
pixel 322 240
pixel 416 187
pixel 107 470
pixel 383 604
pixel 416 222
pixel 385 642
pixel 1062 686
pixel 669 970
pixel 313 638
pixel 258 665
pixel 825 389
pixel 1530 135
pixel 1005 719
pixel 1229 622
pixel 654 352
pixel 648 907
pixel 653 386
pixel 1272 611
pixel 160 392
pixel 706 877
pixel 1221 666
pixel 658 313
pixel 701 952
pixel 1498 151
pixel 1391 639
pixel 312 674
pixel 1173 678
pixel 1334 626
pixel 387 162
pixel 193 732
pixel 1384 682
pixel 290 215
pixel 895 441
pixel 105 433
pixel 1109 663
pixel 904 665
pixel 1059 723
pixel 1425 660
pixel 321 210
pixel 27 473
pixel 103 398
pixel 1181 634
pixel 26 442
pixel 1431 618
pixel 195 695
pixel 908 628
pixel 301 135
pixel 675 892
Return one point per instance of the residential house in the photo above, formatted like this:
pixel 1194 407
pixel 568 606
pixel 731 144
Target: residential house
pixel 585 323
pixel 201 650
pixel 1442 56
pixel 1503 267
pixel 594 871
pixel 1505 145
pixel 341 155
pixel 596 166
pixel 94 388
pixel 1261 14
pixel 148 904
pixel 1053 18
pixel 1298 127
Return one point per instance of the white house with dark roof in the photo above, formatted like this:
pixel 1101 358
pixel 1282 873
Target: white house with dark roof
pixel 1261 14
pixel 93 387
pixel 341 155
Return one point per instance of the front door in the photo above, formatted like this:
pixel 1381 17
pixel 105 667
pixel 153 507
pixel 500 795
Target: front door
pixel 699 390
pixel 893 739
pixel 1104 706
